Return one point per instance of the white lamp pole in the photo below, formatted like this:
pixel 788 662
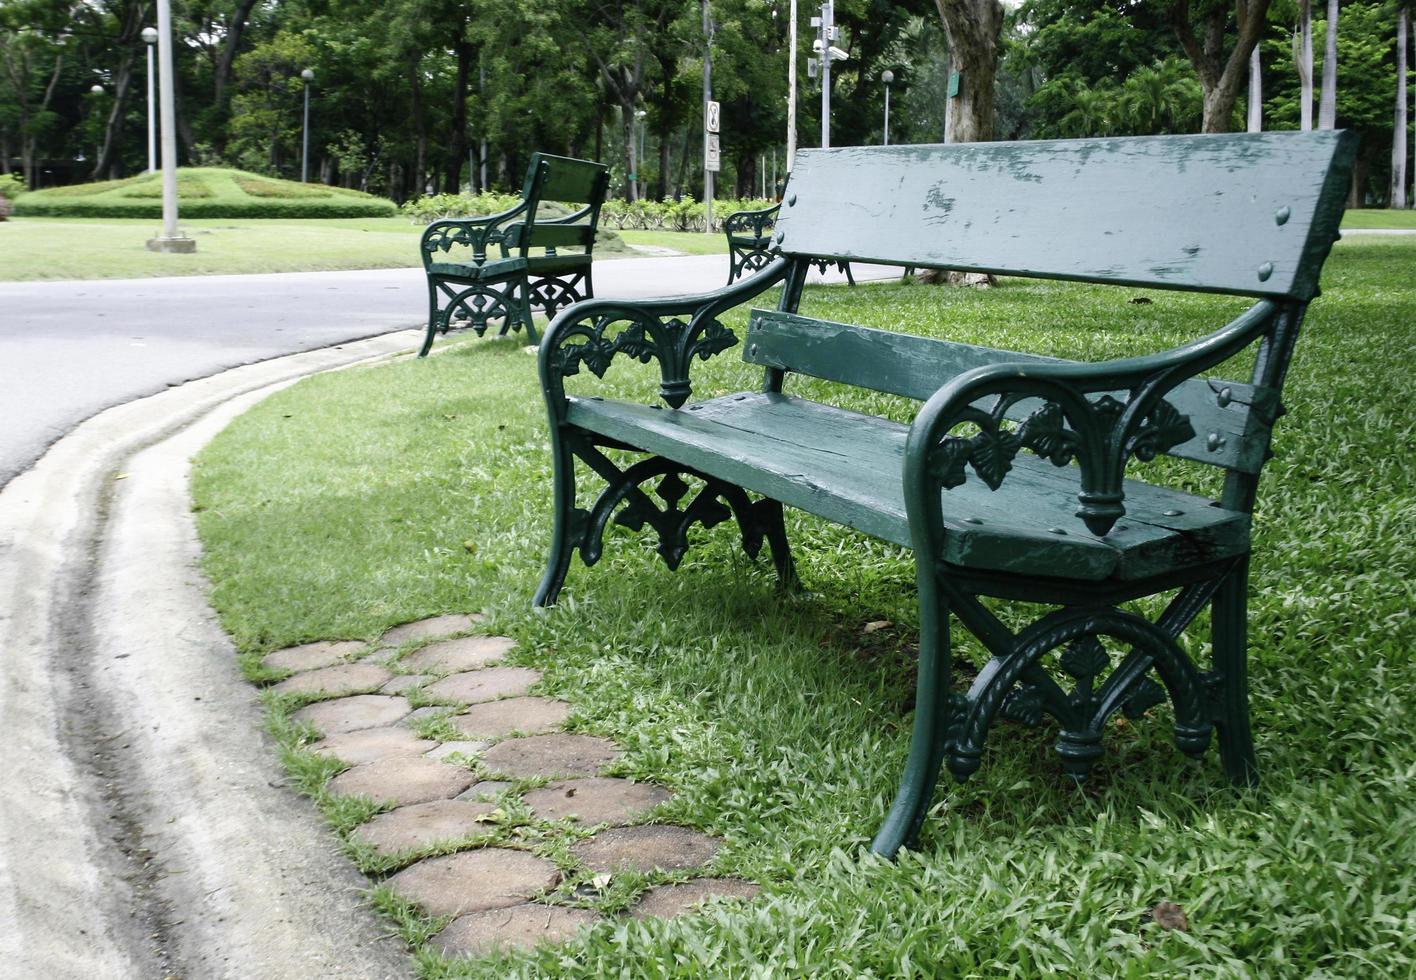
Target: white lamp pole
pixel 309 76
pixel 888 77
pixel 791 86
pixel 150 38
pixel 171 239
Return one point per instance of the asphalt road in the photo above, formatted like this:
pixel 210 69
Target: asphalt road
pixel 68 350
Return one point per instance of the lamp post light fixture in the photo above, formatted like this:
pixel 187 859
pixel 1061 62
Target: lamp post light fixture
pixel 150 38
pixel 309 76
pixel 171 240
pixel 888 77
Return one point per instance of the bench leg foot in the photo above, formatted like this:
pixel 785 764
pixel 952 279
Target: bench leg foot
pixel 564 536
pixel 774 531
pixel 434 320
pixel 1229 620
pixel 933 715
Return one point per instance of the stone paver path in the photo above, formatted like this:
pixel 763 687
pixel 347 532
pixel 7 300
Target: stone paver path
pixel 595 800
pixel 530 716
pixel 447 793
pixel 423 825
pixel 651 848
pixel 551 755
pixel 518 927
pixel 340 681
pixel 487 684
pixel 473 881
pixel 352 714
pixel 399 780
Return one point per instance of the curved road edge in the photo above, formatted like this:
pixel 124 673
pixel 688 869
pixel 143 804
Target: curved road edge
pixel 145 830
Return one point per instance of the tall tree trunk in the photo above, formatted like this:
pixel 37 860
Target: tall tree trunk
pixel 1303 57
pixel 1220 76
pixel 973 27
pixel 1327 108
pixel 1256 93
pixel 420 128
pixel 1397 198
pixel 457 148
pixel 107 161
pixel 627 144
pixel 225 63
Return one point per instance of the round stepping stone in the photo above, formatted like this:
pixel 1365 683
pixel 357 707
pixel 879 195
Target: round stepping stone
pixel 474 881
pixel 595 800
pixel 402 780
pixel 485 790
pixel 669 901
pixel 483 685
pixel 352 714
pixel 412 828
pixel 517 927
pixel 551 755
pixel 311 656
pixel 373 744
pixel 493 719
pixel 404 683
pixel 337 681
pixel 456 748
pixel 428 629
pixel 466 653
pixel 653 848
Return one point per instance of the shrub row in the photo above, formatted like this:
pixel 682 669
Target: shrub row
pixel 204 192
pixel 682 215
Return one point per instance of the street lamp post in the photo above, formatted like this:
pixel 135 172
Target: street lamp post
pixel 170 240
pixel 887 76
pixel 825 53
pixel 309 76
pixel 95 90
pixel 150 38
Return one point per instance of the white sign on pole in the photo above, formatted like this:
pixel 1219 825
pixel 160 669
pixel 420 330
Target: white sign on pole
pixel 711 117
pixel 714 155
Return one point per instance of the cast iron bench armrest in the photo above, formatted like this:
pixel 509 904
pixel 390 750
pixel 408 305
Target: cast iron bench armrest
pixel 567 219
pixel 1101 434
pixel 750 221
pixel 672 330
pixel 476 233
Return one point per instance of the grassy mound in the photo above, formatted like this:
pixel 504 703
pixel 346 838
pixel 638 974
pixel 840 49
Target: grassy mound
pixel 203 192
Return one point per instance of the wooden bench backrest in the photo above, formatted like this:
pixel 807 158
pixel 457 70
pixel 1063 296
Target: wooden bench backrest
pixel 1248 214
pixel 1231 420
pixel 568 181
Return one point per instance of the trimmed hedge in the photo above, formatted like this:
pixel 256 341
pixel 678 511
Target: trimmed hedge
pixel 682 215
pixel 203 192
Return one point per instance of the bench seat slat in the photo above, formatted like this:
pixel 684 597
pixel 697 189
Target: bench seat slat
pixel 916 367
pixel 846 467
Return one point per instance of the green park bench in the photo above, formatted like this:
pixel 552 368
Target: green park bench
pixel 750 243
pixel 1073 525
pixel 501 278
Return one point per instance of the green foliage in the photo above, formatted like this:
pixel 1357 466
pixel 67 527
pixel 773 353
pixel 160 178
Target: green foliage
pixel 203 192
pixel 339 507
pixel 434 207
pixel 11 186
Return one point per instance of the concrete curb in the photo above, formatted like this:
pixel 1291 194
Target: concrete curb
pixel 144 831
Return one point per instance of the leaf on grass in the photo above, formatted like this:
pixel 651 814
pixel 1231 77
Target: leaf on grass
pixel 1168 915
pixel 877 625
pixel 600 882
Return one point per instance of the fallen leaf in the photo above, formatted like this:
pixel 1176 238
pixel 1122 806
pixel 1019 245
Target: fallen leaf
pixel 879 624
pixel 1168 915
pixel 600 882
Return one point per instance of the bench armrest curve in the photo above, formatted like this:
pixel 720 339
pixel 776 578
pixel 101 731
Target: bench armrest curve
pixel 476 233
pixel 672 330
pixel 1101 434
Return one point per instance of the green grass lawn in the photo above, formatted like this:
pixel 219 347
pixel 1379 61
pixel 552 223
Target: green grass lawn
pixel 114 248
pixel 1379 218
pixel 360 499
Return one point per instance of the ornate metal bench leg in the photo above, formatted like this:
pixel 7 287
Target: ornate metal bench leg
pixel 524 310
pixel 933 715
pixel 846 268
pixel 1229 622
pixel 774 531
pixel 566 534
pixel 434 319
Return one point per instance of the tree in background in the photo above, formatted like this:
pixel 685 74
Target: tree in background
pixel 1221 74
